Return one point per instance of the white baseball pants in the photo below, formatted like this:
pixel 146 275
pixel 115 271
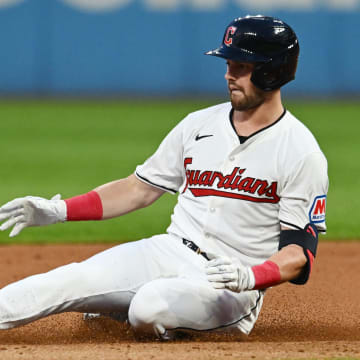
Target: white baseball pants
pixel 158 284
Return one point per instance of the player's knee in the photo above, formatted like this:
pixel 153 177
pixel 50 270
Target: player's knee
pixel 148 311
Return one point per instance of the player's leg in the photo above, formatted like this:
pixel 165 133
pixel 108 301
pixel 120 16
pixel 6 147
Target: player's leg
pixel 104 283
pixel 162 306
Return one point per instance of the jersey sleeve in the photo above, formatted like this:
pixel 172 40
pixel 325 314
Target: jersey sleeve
pixel 165 168
pixel 303 197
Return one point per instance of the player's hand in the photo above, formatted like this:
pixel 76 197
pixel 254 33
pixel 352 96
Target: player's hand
pixel 32 211
pixel 226 273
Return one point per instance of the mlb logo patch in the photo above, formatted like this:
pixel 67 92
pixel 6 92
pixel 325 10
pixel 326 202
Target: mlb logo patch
pixel 317 210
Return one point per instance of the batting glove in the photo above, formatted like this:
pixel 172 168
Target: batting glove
pixel 226 273
pixel 32 211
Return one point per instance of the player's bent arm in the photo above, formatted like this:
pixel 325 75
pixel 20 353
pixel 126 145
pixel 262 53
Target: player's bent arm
pixel 285 265
pixel 293 262
pixel 125 195
pixel 290 260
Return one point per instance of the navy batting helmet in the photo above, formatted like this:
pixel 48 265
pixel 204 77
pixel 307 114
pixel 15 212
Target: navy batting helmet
pixel 266 41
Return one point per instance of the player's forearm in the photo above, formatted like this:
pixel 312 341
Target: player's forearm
pixel 285 265
pixel 125 195
pixel 107 201
pixel 290 261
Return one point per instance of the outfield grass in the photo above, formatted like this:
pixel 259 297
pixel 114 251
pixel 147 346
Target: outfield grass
pixel 69 147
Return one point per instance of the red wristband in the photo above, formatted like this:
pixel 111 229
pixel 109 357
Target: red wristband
pixel 266 275
pixel 84 207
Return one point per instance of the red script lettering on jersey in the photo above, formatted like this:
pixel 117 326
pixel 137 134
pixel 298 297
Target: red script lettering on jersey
pixel 202 183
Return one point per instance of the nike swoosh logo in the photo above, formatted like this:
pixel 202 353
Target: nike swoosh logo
pixel 198 137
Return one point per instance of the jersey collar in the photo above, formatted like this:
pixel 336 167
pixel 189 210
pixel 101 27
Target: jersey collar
pixel 242 139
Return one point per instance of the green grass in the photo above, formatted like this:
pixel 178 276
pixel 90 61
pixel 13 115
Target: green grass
pixel 70 147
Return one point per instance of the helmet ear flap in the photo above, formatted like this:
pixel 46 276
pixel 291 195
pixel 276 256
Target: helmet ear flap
pixel 277 72
pixel 264 76
pixel 269 76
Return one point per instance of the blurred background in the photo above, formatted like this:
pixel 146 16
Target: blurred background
pixel 88 88
pixel 106 47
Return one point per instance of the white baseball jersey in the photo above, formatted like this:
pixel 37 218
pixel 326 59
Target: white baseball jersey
pixel 234 197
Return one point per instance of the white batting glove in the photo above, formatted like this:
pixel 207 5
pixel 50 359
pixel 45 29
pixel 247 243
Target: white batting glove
pixel 32 211
pixel 226 273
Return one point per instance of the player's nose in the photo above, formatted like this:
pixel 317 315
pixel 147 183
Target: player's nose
pixel 229 75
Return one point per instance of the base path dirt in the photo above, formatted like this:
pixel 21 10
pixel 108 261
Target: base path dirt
pixel 318 320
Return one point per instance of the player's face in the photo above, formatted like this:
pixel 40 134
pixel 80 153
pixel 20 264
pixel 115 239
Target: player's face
pixel 244 95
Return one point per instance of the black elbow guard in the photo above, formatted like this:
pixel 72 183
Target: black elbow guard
pixel 308 240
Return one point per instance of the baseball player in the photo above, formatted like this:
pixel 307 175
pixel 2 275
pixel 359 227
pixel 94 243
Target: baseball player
pixel 251 183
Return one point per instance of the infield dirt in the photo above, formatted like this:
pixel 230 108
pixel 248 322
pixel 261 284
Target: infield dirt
pixel 318 320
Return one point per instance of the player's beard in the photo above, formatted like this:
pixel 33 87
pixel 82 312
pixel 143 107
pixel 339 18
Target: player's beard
pixel 247 101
